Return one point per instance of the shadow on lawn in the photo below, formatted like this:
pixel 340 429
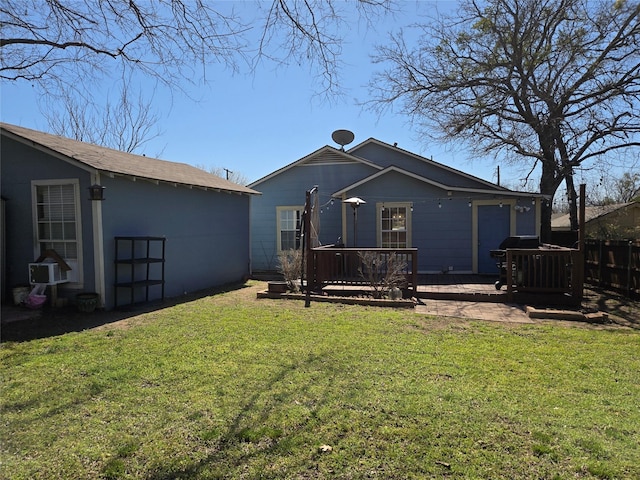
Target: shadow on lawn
pixel 51 322
pixel 624 310
pixel 249 426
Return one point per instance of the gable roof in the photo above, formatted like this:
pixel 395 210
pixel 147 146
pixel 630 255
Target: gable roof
pixel 563 222
pixel 326 155
pixel 430 182
pixel 114 162
pixel 329 155
pixel 428 161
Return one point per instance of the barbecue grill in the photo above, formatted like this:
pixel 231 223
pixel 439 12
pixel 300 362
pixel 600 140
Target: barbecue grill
pixel 519 241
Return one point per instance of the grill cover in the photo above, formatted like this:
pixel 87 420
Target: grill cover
pixel 518 241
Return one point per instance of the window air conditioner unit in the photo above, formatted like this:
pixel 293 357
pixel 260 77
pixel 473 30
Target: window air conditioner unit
pixel 46 273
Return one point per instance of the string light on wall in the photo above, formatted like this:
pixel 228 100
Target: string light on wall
pixel 520 204
pixel 327 205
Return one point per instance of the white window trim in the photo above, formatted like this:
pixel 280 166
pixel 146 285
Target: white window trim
pixel 379 206
pixel 34 214
pixel 278 229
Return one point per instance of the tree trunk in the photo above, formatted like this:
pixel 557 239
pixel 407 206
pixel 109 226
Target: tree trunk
pixel 549 183
pixel 572 200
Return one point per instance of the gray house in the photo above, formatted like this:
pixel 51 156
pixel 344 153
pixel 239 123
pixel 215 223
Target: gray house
pixel 452 218
pixel 188 229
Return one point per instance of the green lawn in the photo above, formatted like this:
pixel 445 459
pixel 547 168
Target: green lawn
pixel 230 386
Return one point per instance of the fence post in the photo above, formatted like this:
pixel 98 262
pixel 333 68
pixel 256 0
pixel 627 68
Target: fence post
pixel 600 262
pixel 629 269
pixel 414 272
pixel 508 266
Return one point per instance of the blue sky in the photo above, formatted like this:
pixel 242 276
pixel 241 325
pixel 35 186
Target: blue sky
pixel 255 124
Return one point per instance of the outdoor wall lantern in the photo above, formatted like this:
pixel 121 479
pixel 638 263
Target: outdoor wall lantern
pixel 355 202
pixel 96 192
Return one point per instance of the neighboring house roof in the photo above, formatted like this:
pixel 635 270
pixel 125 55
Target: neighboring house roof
pixel 326 155
pixel 115 162
pixel 563 222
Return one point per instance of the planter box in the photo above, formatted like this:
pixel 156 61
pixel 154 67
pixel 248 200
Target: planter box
pixel 278 287
pixel 87 302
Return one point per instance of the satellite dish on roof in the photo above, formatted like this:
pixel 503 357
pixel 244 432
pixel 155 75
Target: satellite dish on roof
pixel 342 137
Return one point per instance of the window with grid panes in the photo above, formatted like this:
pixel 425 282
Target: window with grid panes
pixel 394 226
pixel 289 219
pixel 57 222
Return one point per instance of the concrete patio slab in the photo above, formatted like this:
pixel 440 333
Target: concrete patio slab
pixel 499 312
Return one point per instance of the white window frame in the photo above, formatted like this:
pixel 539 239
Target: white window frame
pixel 408 206
pixel 298 208
pixel 76 277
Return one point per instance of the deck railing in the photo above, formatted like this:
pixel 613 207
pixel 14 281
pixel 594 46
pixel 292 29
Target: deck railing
pixel 547 270
pixel 344 266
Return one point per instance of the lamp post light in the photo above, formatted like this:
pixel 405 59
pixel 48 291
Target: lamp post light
pixel 355 202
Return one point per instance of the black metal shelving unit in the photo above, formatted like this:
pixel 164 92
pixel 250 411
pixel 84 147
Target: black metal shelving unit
pixel 140 260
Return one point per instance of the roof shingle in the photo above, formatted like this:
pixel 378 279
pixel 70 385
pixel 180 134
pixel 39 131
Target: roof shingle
pixel 122 163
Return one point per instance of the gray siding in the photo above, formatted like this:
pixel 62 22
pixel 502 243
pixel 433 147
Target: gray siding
pixel 20 165
pixel 388 156
pixel 526 220
pixel 443 234
pixel 288 189
pixel 207 231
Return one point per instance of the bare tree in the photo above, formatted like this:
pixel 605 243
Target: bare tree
pixel 231 175
pixel 553 83
pixel 623 189
pixel 126 125
pixel 63 44
pixel 66 48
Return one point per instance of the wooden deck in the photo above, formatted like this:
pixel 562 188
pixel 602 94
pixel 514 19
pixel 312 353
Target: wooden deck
pixel 443 287
pixel 460 287
pixel 481 288
pixel 464 287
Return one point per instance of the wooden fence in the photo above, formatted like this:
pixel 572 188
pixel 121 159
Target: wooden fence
pixel 614 264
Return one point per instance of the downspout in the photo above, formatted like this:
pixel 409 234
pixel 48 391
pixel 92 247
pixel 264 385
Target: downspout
pixel 250 239
pixel 98 243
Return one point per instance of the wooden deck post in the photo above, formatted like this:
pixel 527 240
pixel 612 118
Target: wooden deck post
pixel 509 272
pixel 577 281
pixel 307 246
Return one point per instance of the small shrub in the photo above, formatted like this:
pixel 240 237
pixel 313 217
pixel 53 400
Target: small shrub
pixel 382 274
pixel 290 266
